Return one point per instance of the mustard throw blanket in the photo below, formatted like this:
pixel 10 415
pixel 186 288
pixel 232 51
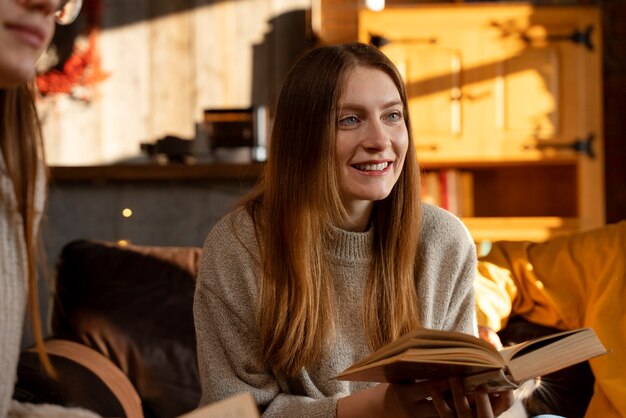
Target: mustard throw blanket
pixel 567 282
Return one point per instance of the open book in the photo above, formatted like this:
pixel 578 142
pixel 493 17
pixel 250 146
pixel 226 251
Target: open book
pixel 238 406
pixel 432 354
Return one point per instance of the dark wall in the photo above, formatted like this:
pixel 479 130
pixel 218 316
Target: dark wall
pixel 614 17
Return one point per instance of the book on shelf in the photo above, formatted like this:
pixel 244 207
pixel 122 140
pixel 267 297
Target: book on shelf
pixel 466 194
pixel 431 188
pixel 433 354
pixel 451 189
pixel 238 406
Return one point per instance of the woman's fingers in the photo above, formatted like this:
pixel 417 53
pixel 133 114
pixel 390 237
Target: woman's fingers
pixel 447 399
pixel 459 398
pixel 490 336
pixel 502 401
pixel 442 407
pixel 421 390
pixel 482 404
pixel 457 406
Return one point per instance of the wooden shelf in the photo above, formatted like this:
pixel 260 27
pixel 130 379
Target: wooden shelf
pixel 496 163
pixel 156 172
pixel 520 228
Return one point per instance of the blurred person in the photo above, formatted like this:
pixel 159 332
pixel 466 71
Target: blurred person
pixel 26 29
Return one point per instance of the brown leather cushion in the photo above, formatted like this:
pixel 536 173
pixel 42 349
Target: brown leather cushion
pixel 134 305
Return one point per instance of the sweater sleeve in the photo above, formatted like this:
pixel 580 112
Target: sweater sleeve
pixel 447 268
pixel 227 337
pixel 461 268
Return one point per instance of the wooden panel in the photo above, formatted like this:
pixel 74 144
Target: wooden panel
pixel 337 21
pixel 172 92
pixel 529 101
pixel 167 61
pixel 124 100
pixel 434 104
pixel 63 121
pixel 536 229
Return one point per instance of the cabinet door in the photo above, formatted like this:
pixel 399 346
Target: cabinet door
pixel 438 66
pixel 433 77
pixel 545 79
pixel 488 83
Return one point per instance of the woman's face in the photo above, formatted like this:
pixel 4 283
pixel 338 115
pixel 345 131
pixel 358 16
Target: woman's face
pixel 26 28
pixel 372 138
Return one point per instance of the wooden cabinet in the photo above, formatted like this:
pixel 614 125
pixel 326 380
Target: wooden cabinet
pixel 510 93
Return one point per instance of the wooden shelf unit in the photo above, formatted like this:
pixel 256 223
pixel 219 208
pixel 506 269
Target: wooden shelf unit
pixel 511 94
pixel 146 172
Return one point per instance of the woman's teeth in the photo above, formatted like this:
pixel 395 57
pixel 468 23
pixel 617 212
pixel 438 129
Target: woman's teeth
pixel 371 167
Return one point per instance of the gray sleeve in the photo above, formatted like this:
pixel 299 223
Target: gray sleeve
pixel 227 338
pixel 446 272
pixel 285 405
pixel 461 309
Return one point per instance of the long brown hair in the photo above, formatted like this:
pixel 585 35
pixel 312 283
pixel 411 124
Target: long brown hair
pixel 298 199
pixel 21 144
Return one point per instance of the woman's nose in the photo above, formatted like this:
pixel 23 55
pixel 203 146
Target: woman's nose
pixel 377 136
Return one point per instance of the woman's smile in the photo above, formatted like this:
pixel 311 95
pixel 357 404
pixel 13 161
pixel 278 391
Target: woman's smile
pixel 373 168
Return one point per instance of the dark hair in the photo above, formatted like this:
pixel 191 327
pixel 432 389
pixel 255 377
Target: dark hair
pixel 298 197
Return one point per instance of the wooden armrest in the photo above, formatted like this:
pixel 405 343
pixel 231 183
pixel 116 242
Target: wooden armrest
pixel 85 379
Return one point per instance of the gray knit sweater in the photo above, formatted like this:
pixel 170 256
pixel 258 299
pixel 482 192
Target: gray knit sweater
pixel 225 306
pixel 13 285
pixel 13 295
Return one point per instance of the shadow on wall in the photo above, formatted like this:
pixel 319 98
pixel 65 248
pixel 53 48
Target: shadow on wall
pixel 130 12
pixel 289 37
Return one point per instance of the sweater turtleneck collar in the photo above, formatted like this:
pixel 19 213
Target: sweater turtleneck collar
pixel 347 246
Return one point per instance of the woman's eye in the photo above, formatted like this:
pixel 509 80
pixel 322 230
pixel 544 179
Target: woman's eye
pixel 348 120
pixel 395 116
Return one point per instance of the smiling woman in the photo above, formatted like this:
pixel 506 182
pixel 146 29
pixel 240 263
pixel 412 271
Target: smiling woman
pixel 332 255
pixel 26 27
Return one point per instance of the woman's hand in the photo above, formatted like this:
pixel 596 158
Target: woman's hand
pixel 478 404
pixel 391 400
pixel 441 398
pixel 490 336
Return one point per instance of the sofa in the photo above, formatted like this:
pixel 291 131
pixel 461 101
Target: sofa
pixel 131 307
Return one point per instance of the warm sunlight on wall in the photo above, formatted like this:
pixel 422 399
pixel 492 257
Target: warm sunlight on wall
pixel 164 70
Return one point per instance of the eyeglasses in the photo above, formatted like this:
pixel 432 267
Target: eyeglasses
pixel 68 11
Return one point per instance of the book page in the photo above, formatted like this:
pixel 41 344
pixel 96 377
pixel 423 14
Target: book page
pixel 425 359
pixel 398 370
pixel 239 406
pixel 548 355
pixel 508 353
pixel 432 339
